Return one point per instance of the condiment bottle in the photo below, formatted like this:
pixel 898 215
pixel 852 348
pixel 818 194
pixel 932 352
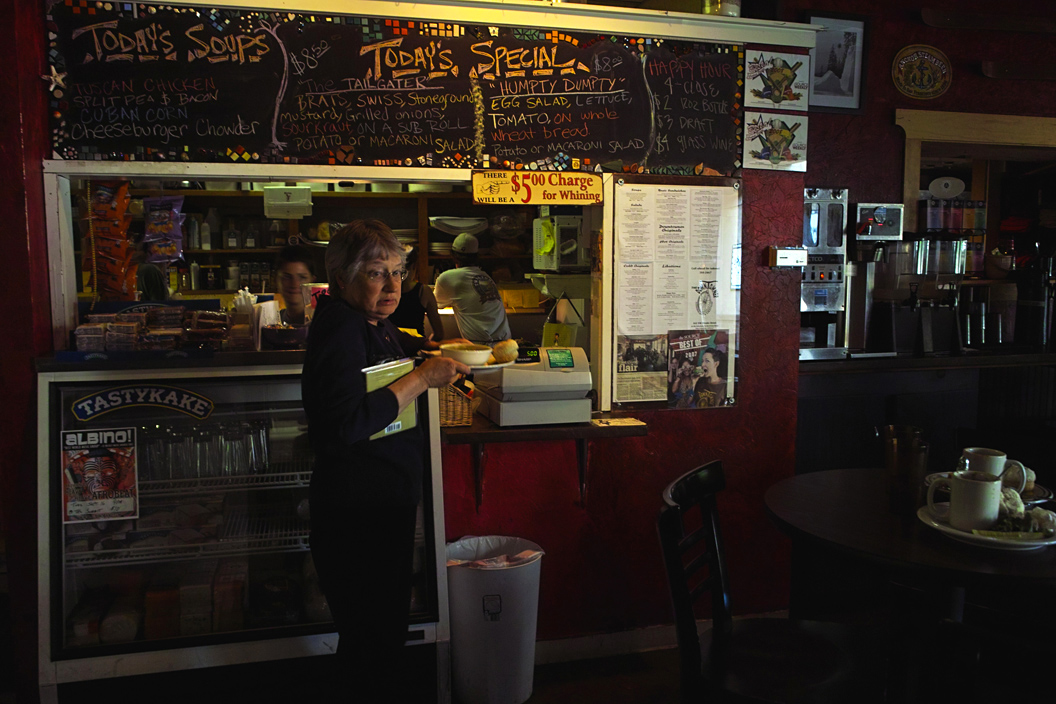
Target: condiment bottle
pixel 206 235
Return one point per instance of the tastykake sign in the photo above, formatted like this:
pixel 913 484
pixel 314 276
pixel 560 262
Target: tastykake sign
pixel 536 188
pixel 172 83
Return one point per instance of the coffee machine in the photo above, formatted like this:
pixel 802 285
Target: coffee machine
pixel 877 230
pixel 914 307
pixel 823 290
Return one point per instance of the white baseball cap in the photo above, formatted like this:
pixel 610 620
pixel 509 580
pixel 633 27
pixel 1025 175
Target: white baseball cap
pixel 465 244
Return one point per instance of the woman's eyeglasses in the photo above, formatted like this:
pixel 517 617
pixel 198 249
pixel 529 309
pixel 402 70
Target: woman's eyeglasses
pixel 376 277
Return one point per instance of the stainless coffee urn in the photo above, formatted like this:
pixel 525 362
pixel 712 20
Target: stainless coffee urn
pixel 823 330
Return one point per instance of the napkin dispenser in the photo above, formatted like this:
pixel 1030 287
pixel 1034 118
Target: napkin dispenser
pixel 289 202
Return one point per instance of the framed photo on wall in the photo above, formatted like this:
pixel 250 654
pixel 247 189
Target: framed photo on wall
pixel 837 63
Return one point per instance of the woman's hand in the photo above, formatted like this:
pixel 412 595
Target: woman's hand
pixel 435 344
pixel 434 372
pixel 441 371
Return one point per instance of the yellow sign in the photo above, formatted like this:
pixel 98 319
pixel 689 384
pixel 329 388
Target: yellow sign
pixel 536 187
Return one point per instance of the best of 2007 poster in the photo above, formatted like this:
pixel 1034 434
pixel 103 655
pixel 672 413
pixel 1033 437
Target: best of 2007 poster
pixel 697 369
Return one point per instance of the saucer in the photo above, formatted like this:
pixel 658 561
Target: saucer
pixel 982 540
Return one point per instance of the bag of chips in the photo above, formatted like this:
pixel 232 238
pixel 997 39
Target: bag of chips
pixel 163 232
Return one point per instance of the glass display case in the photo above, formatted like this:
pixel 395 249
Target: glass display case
pixel 173 522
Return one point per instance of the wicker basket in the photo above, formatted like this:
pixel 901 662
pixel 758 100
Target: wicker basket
pixel 455 407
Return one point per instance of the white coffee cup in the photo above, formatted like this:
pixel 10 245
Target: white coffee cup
pixel 995 462
pixel 975 498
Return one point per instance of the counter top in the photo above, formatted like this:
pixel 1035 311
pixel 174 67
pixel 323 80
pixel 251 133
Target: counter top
pixel 74 362
pixel 969 360
pixel 483 431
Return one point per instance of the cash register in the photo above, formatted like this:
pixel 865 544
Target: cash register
pixel 553 389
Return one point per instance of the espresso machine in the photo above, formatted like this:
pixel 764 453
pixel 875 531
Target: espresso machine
pixel 823 290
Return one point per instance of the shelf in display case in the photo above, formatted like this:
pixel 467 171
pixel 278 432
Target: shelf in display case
pixel 241 535
pixel 292 475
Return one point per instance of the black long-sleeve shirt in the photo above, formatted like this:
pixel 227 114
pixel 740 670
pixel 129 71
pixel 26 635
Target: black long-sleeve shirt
pixel 350 469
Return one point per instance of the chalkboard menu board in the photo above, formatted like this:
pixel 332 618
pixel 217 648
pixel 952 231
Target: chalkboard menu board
pixel 209 85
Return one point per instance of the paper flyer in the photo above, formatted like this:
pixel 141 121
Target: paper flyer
pixel 776 81
pixel 99 478
pixel 775 141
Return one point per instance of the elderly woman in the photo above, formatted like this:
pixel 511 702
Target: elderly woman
pixel 364 493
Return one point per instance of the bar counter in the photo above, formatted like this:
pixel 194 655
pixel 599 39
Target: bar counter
pixel 991 398
pixel 972 359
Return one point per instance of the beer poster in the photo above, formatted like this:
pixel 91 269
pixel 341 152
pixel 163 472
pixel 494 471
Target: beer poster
pixel 99 480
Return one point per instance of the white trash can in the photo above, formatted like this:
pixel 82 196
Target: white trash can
pixel 494 608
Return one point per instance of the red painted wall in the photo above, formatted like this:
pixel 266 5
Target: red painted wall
pixel 864 152
pixel 602 571
pixel 27 326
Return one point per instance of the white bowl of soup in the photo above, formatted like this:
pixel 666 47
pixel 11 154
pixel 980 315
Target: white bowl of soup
pixel 467 353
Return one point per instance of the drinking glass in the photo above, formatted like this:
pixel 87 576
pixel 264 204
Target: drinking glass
pixel 207 459
pixel 153 454
pixel 258 442
pixel 233 451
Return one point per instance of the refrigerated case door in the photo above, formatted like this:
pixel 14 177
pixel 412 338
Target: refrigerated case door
pixel 173 523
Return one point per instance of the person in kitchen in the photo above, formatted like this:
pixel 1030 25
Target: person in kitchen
pixel 710 389
pixel 364 493
pixel 479 311
pixel 417 303
pixel 293 268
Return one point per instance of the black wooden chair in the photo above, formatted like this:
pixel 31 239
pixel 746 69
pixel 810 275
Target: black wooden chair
pixel 752 659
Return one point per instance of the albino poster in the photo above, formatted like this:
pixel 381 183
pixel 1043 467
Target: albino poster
pixel 99 475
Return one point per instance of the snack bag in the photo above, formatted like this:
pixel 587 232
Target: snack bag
pixel 109 200
pixel 107 251
pixel 163 232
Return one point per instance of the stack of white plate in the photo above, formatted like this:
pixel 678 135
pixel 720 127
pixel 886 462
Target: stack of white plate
pixel 440 248
pixel 406 236
pixel 456 226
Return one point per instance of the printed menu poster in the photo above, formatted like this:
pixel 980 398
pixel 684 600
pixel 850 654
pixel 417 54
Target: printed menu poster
pixel 676 248
pixel 697 368
pixel 99 479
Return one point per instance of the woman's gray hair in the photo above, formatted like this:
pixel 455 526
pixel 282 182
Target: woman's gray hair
pixel 356 244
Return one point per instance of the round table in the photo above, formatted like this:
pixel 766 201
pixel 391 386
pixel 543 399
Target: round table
pixel 935 653
pixel 847 510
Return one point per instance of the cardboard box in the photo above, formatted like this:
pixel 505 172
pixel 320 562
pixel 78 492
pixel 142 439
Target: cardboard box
pixel 519 295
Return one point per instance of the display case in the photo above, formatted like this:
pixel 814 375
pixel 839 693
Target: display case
pixel 173 524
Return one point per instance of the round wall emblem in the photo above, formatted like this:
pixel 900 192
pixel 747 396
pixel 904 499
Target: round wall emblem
pixel 921 72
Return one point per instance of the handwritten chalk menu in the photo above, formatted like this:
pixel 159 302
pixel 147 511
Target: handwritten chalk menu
pixel 171 83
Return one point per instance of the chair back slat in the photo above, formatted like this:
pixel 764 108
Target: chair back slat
pixel 694 558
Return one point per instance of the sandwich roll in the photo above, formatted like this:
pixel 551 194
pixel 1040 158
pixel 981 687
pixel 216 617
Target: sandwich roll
pixel 505 351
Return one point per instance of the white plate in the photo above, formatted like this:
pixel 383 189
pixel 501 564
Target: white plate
pixel 489 367
pixel 1039 496
pixel 456 226
pixel 983 540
